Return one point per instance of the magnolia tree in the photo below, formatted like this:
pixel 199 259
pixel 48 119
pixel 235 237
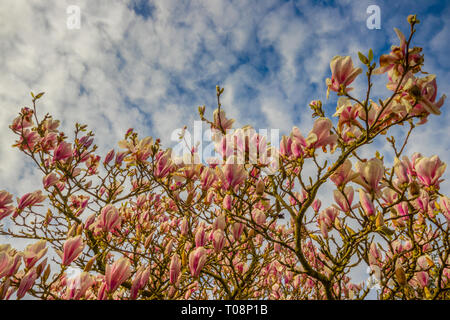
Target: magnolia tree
pixel 140 223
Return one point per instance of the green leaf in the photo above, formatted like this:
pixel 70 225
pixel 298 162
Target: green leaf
pixel 362 58
pixel 370 55
pixel 386 231
pixel 350 230
pixel 39 95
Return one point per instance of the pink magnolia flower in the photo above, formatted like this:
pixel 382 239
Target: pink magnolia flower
pixel 285 146
pixel 5 200
pixel 78 204
pixel 49 141
pixel 428 94
pixel 402 209
pixel 9 261
pixel 237 229
pixel 259 217
pixel 175 268
pixel 373 113
pixel 343 174
pixel 422 278
pixel 401 171
pixel 6 290
pixel 370 174
pixel 72 249
pixel 109 218
pixel 78 285
pixel 258 149
pixel 34 252
pixel 109 156
pixel 227 202
pixel 232 174
pixel 23 121
pixel 366 203
pixel 140 281
pixel 200 236
pixel 342 74
pixel 374 253
pixel 219 223
pixel 422 202
pixel 424 262
pixel 86 141
pixel 120 156
pixel 389 196
pixel 323 228
pixel 197 260
pixel 50 125
pixel 116 274
pixel 344 198
pixel 102 292
pixel 163 164
pixel 347 113
pixel 4 262
pixel 220 121
pixel 326 220
pixel 26 283
pixel 298 143
pixel 139 151
pixel 328 215
pixel 207 178
pixel 28 140
pixel 410 164
pixel 316 205
pixel 277 247
pixel 89 221
pixel 50 180
pixel 429 170
pixel 184 227
pixel 392 62
pixel 62 152
pixel 445 207
pixel 320 135
pixel 230 144
pixel 218 240
pixel 31 199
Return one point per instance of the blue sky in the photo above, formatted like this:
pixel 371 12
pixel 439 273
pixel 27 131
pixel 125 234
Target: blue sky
pixel 150 64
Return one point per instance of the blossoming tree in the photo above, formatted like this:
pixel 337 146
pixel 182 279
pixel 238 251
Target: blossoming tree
pixel 141 223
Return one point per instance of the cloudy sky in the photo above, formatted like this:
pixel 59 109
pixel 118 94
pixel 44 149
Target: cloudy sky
pixel 150 64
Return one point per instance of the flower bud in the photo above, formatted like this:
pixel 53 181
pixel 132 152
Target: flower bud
pixel 380 220
pixel 260 187
pixel 316 205
pixel 366 203
pixel 400 276
pixel 227 202
pixel 218 240
pixel 175 268
pixel 197 259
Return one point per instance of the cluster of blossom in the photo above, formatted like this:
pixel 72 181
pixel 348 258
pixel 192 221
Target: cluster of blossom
pixel 141 224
